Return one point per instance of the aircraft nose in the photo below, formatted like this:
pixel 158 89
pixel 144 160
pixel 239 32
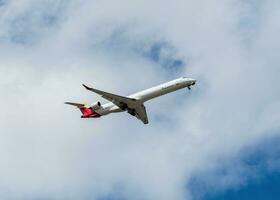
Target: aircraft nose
pixel 192 81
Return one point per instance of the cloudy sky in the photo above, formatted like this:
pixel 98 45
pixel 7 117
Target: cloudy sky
pixel 219 141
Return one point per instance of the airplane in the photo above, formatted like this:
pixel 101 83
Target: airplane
pixel 134 103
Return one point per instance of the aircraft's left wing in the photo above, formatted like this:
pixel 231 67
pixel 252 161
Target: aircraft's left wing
pixel 118 100
pixel 141 114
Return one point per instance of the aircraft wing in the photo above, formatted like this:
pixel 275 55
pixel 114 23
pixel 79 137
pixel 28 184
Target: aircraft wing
pixel 141 114
pixel 124 103
pixel 118 100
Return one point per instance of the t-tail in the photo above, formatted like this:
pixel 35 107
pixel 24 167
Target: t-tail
pixel 87 111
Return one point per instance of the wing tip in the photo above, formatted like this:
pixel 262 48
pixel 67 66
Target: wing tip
pixel 85 86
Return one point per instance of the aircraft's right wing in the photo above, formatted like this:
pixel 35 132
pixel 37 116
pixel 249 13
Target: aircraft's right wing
pixel 118 100
pixel 124 103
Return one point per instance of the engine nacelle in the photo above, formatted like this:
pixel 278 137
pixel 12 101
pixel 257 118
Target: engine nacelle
pixel 95 105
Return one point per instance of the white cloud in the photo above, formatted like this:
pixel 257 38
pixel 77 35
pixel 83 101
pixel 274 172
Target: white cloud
pixel 48 151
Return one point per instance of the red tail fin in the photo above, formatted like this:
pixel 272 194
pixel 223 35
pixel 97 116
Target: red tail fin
pixel 86 110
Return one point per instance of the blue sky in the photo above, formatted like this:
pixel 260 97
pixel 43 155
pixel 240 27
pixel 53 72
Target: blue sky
pixel 262 160
pixel 268 188
pixel 218 141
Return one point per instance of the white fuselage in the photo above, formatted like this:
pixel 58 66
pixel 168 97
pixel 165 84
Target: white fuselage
pixel 150 93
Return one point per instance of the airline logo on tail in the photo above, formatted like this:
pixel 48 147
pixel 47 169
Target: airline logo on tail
pixel 87 111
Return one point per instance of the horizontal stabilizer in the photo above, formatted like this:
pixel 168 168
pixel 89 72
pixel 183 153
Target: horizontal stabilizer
pixel 78 105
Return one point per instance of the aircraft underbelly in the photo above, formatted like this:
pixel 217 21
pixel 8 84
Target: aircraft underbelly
pixel 145 96
pixel 105 111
